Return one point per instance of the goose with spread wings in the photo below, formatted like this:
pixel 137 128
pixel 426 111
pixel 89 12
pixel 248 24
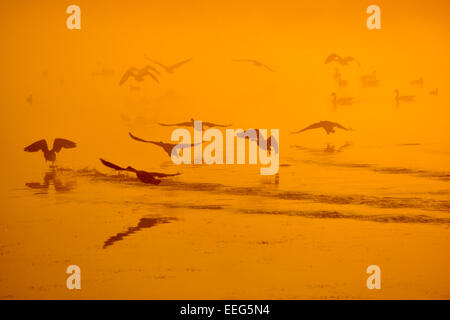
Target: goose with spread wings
pixel 191 124
pixel 144 176
pixel 170 68
pixel 254 135
pixel 328 126
pixel 50 155
pixel 139 74
pixel 169 148
pixel 255 63
pixel 345 61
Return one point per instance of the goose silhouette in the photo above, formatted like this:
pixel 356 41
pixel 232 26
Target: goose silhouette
pixel 399 98
pixel 171 68
pixel 343 101
pixel 255 63
pixel 417 83
pixel 345 61
pixel 144 176
pixel 328 126
pixel 434 92
pixel 338 77
pixel 169 148
pixel 138 74
pixel 50 155
pixel 190 123
pixel 254 135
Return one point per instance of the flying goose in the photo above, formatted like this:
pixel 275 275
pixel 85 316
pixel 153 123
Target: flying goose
pixel 50 155
pixel 256 63
pixel 144 176
pixel 168 147
pixel 267 144
pixel 328 126
pixel 171 68
pixel 191 124
pixel 341 60
pixel 137 74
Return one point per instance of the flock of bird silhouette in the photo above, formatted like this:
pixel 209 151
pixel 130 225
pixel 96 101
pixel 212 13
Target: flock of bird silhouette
pixel 368 80
pixel 139 75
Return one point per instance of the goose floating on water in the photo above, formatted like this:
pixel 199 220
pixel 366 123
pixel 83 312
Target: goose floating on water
pixel 399 98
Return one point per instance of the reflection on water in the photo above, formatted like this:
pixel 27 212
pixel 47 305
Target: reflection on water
pixel 322 214
pixel 441 175
pixel 147 222
pixel 52 178
pixel 329 149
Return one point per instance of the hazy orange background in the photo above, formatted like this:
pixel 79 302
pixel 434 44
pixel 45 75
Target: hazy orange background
pixel 293 37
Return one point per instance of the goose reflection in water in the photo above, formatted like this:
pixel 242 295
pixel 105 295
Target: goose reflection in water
pixel 52 178
pixel 146 222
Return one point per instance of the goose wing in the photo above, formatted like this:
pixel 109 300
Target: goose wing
pixel 340 126
pixel 152 68
pixel 313 126
pixel 130 72
pixel 145 72
pixel 179 64
pixel 267 67
pixel 181 124
pixel 112 165
pixel 38 145
pixel 59 143
pixel 163 175
pixel 210 124
pixel 142 140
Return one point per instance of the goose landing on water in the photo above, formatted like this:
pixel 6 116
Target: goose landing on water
pixel 50 155
pixel 328 126
pixel 144 176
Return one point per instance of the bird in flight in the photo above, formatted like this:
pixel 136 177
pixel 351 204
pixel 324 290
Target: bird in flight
pixel 138 74
pixel 190 123
pixel 144 176
pixel 171 68
pixel 256 63
pixel 170 148
pixel 267 144
pixel 399 98
pixel 328 126
pixel 345 61
pixel 50 155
